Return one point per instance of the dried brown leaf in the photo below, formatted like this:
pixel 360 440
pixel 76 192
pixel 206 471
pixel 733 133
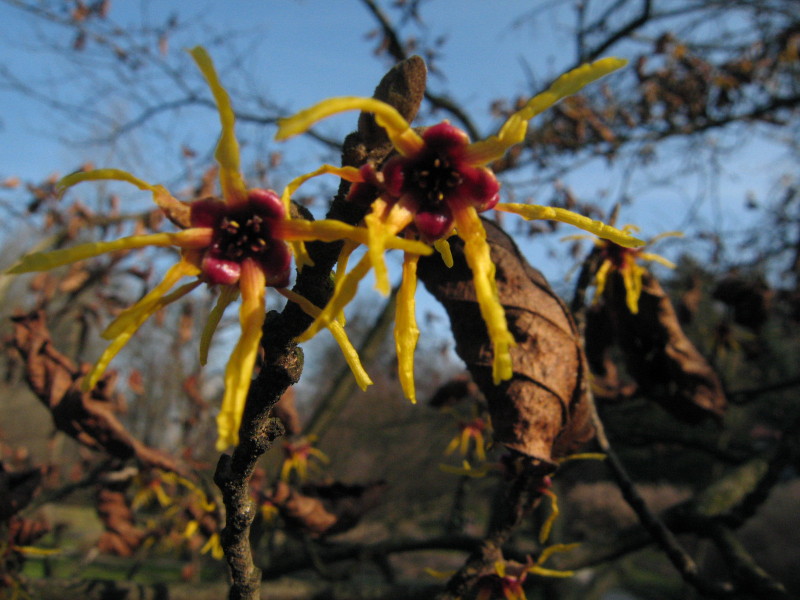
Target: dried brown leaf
pixel 121 536
pixel 16 490
pixel 88 417
pixel 659 355
pixel 327 508
pixel 542 411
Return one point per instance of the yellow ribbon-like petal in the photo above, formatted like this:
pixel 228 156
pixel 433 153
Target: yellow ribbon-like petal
pixel 101 175
pixel 632 278
pixel 601 278
pixel 341 270
pixel 607 232
pixel 129 315
pixel 405 140
pixel 227 294
pixel 44 261
pixel 476 251
pixel 443 248
pixel 343 293
pixel 348 351
pixel 350 174
pixel 380 226
pixel 513 130
pixel 657 258
pixel 227 153
pixel 406 332
pixel 331 230
pixel 239 370
pixel 547 526
pixel 133 326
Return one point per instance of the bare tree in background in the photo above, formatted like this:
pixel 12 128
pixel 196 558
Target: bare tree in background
pixel 689 397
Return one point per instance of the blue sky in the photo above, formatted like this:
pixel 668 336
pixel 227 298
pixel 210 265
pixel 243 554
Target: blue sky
pixel 296 52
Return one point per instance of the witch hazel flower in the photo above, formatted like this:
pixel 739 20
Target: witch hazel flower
pixel 241 242
pixel 435 187
pixel 625 261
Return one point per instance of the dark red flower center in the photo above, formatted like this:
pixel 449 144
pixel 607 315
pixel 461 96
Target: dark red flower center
pixel 242 232
pixel 237 239
pixel 436 181
pixel 617 254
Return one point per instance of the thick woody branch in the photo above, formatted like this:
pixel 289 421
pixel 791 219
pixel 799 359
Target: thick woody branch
pixel 283 360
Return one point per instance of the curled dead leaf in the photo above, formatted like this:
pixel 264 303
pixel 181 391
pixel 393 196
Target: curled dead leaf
pixel 542 411
pixel 121 536
pixel 658 354
pixel 326 508
pixel 88 417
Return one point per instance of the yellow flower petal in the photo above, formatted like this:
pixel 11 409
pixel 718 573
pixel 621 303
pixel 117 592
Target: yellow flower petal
pixel 443 248
pixel 513 130
pixel 476 251
pixel 131 314
pixel 350 354
pixel 582 456
pixel 343 293
pixel 103 174
pixel 543 572
pixel 601 278
pixel 350 174
pixel 133 326
pixel 656 258
pixel 598 228
pixel 330 230
pixel 227 154
pixel 227 294
pixel 406 332
pixel 632 278
pixel 239 371
pixel 383 222
pixel 405 140
pixel 44 261
pixel 547 526
pixel 301 256
pixel 341 270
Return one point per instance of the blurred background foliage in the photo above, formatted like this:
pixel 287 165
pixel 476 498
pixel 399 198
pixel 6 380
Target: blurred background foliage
pixel 713 88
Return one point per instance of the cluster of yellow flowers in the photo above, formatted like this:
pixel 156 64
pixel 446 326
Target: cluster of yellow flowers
pixel 243 242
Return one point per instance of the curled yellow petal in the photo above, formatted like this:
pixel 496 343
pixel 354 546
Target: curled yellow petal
pixel 544 572
pixel 132 327
pixel 538 569
pixel 383 222
pixel 632 278
pixel 348 351
pixel 513 130
pixel 598 228
pixel 341 270
pixel 443 248
pixel 227 294
pixel 227 153
pixel 330 230
pixel 343 293
pixel 476 251
pixel 405 140
pixel 601 278
pixel 103 174
pixel 350 174
pixel 406 332
pixel 239 370
pixel 44 261
pixel 657 258
pixel 547 526
pixel 131 314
